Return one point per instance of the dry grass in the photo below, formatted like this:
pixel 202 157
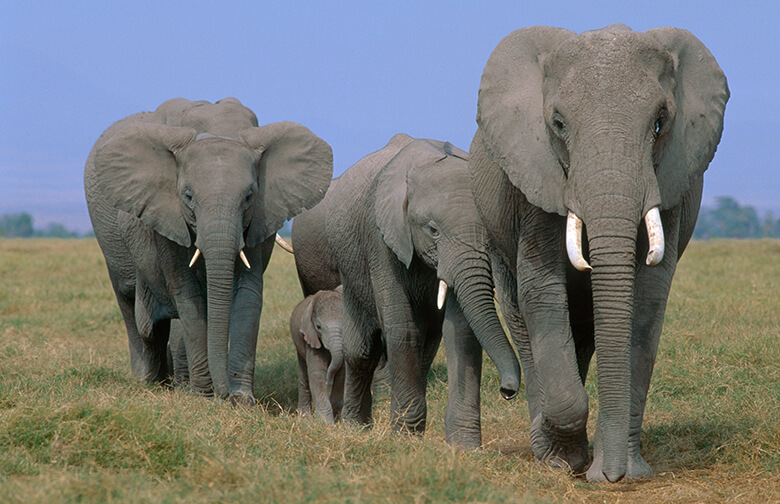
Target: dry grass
pixel 75 426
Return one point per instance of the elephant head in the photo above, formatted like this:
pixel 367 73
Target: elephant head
pixel 321 328
pixel 424 206
pixel 213 194
pixel 609 128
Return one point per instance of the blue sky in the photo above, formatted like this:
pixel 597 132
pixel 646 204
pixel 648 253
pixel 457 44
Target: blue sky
pixel 354 72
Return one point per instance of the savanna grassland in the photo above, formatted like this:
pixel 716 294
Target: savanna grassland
pixel 76 427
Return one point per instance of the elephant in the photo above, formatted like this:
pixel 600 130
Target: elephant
pixel 315 327
pixel 396 229
pixel 194 179
pixel 594 143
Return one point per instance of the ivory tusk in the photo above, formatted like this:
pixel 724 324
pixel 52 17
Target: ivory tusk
pixel 655 237
pixel 244 259
pixel 283 243
pixel 574 242
pixel 194 257
pixel 442 294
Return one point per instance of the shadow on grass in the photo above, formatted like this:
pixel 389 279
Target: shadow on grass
pixel 691 444
pixel 667 447
pixel 276 386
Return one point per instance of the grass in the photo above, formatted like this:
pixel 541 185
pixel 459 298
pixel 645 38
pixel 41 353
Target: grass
pixel 76 427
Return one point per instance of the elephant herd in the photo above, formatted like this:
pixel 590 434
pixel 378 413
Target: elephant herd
pixel 576 199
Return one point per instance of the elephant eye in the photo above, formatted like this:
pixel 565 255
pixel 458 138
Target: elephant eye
pixel 659 122
pixel 558 124
pixel 187 196
pixel 248 197
pixel 433 229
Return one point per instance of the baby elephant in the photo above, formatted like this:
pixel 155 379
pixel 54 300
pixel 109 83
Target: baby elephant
pixel 315 326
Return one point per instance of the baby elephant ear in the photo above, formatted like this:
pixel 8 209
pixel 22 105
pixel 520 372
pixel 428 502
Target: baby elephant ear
pixel 390 196
pixel 700 97
pixel 294 172
pixel 137 172
pixel 510 115
pixel 310 334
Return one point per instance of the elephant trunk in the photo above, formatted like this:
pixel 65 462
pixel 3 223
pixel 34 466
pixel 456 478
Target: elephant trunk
pixel 336 358
pixel 472 282
pixel 612 278
pixel 612 213
pixel 220 249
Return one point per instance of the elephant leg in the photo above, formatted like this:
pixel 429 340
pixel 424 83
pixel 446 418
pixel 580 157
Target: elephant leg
pixel 558 432
pixel 317 364
pixel 181 365
pixel 570 451
pixel 304 391
pixel 244 327
pixel 192 356
pixel 177 355
pixel 464 375
pixel 408 408
pixel 362 351
pixel 148 338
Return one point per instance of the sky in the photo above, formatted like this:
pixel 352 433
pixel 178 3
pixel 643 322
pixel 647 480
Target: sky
pixel 354 72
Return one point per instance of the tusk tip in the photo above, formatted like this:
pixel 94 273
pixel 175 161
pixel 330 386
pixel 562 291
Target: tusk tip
pixel 283 243
pixel 244 260
pixel 654 258
pixel 194 257
pixel 440 297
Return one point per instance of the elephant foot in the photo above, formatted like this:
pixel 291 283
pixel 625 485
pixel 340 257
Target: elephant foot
pixel 416 429
pixel 636 467
pixel 242 399
pixel 568 452
pixel 464 439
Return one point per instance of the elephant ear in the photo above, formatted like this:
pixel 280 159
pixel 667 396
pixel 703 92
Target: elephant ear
pixel 294 172
pixel 308 330
pixel 510 115
pixel 390 195
pixel 701 94
pixel 137 172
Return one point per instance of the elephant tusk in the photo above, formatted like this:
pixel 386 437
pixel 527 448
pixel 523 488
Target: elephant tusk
pixel 244 259
pixel 194 257
pixel 282 243
pixel 574 242
pixel 442 294
pixel 655 237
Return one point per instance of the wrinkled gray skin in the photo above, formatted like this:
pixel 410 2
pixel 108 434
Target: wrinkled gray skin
pixel 315 327
pixel 393 225
pixel 607 124
pixel 197 175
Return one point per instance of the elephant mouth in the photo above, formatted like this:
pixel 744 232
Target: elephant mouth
pixel 655 237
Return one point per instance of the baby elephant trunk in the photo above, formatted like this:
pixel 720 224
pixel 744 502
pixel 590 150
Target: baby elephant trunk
pixel 336 359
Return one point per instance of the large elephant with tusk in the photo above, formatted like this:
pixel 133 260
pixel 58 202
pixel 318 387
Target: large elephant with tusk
pixel 605 136
pixel 185 202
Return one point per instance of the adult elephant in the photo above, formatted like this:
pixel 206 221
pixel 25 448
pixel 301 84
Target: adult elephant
pixel 394 227
pixel 610 129
pixel 192 179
